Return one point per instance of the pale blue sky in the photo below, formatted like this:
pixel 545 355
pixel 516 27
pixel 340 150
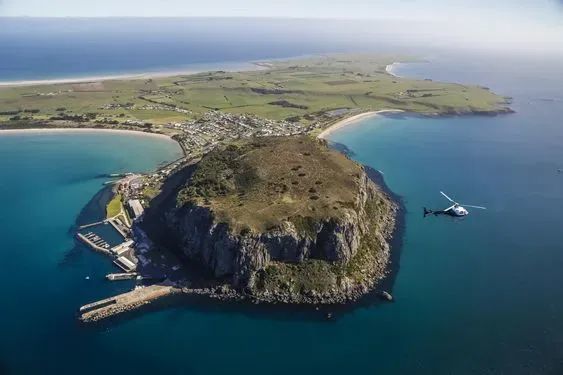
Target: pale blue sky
pixel 541 10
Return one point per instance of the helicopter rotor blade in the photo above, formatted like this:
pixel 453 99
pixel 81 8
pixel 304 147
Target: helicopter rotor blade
pixel 469 205
pixel 449 208
pixel 448 198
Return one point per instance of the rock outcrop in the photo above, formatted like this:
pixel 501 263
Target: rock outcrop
pixel 331 251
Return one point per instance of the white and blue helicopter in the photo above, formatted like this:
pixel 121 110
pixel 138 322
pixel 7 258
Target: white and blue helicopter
pixel 456 209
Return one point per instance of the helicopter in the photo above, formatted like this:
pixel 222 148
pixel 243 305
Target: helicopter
pixel 456 210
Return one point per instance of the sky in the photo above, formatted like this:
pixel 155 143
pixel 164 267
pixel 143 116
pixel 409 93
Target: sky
pixel 537 23
pixel 541 10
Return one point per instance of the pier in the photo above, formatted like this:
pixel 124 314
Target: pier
pixel 97 305
pixel 134 276
pixel 95 242
pixel 136 298
pixel 92 224
pixel 122 276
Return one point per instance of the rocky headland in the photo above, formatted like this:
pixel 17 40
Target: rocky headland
pixel 280 219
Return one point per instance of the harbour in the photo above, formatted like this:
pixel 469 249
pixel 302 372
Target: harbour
pixel 154 274
pixel 95 242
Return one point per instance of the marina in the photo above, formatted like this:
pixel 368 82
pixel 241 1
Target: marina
pixel 95 242
pixel 129 250
pixel 123 254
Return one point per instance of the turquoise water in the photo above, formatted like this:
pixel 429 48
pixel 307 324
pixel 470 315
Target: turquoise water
pixel 46 180
pixel 473 296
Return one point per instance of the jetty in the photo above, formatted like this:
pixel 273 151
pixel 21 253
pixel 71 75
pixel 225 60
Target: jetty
pixel 92 224
pixel 135 276
pixel 121 303
pixel 95 242
pixel 122 276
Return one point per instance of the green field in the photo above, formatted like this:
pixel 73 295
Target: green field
pixel 301 90
pixel 114 207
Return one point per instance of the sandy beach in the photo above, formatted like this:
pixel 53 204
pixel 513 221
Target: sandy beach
pixel 233 67
pixel 389 69
pixel 352 120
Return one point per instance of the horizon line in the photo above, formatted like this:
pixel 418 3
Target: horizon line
pixel 222 17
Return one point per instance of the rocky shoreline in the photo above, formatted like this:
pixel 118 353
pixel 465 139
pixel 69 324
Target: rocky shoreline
pixel 393 225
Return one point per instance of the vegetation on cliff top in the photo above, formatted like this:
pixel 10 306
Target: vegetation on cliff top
pixel 303 223
pixel 255 185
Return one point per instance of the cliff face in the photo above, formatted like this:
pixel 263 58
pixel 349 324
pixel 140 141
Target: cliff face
pixel 299 258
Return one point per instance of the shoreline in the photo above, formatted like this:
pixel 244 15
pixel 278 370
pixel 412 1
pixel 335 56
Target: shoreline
pixel 203 68
pixel 83 130
pixel 354 119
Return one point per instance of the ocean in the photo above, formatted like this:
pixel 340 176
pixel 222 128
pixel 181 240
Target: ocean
pixel 49 183
pixel 46 49
pixel 479 295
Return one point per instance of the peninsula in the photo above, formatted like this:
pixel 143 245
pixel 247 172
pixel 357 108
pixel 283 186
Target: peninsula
pixel 297 96
pixel 259 207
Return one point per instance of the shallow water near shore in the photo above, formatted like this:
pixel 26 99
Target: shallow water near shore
pixel 46 182
pixel 478 295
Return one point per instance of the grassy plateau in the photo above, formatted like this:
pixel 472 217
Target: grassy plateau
pixel 299 90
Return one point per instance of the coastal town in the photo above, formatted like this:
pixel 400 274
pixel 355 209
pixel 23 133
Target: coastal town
pixel 197 136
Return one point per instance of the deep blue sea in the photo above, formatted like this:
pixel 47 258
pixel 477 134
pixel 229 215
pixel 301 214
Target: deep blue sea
pixel 40 49
pixel 479 295
pixel 482 294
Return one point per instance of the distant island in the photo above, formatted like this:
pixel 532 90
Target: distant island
pixel 259 207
